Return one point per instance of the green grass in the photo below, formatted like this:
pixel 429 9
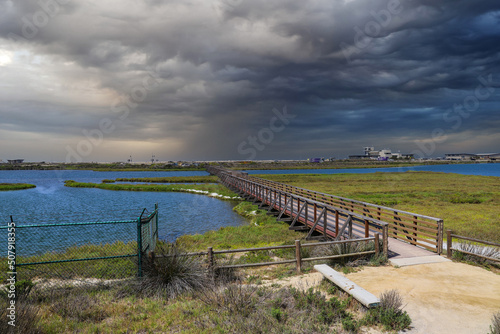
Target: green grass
pixel 263 230
pixel 15 186
pixel 208 188
pixel 178 179
pixel 468 204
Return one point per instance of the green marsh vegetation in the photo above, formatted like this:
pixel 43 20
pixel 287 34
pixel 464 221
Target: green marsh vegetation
pixel 107 185
pixel 176 179
pixel 468 204
pixel 15 186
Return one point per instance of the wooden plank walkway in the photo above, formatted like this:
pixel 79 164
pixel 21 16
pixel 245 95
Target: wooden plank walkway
pixel 350 219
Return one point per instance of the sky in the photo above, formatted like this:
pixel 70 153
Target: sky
pixel 247 79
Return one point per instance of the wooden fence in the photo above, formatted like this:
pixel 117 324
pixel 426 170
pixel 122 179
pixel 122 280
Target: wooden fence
pixel 450 249
pixel 298 259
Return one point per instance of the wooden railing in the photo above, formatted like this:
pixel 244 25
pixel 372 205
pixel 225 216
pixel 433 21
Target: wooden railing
pixel 450 249
pixel 298 259
pixel 416 229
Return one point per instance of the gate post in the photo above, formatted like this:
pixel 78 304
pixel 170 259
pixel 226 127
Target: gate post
pixel 139 248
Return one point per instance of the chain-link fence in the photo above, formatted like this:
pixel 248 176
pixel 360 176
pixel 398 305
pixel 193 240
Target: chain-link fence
pixel 89 251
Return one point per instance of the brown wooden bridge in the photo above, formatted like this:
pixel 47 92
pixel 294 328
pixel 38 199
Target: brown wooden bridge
pixel 325 216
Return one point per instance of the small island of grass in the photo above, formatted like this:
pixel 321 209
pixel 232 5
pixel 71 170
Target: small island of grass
pixel 15 186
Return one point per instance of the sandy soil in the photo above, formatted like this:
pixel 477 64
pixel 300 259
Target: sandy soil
pixel 440 298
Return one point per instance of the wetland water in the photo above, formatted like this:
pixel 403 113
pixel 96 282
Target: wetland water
pixel 52 202
pixel 485 169
pixel 180 213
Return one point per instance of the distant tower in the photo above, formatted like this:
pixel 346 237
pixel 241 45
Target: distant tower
pixel 129 159
pixel 153 159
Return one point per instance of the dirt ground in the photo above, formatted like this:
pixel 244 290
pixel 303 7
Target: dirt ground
pixel 440 298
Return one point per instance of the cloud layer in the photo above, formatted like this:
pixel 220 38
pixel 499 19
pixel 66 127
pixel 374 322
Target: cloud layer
pixel 102 80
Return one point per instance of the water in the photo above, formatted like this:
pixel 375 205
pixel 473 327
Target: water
pixel 52 202
pixel 485 169
pixel 180 213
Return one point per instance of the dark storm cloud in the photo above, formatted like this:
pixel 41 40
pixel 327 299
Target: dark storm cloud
pixel 354 73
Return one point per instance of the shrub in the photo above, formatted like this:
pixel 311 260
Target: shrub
pixel 389 313
pixel 26 317
pixel 172 273
pixel 391 300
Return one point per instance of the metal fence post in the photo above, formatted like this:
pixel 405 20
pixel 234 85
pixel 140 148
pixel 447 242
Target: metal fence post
pixel 139 248
pixel 14 267
pixel 156 221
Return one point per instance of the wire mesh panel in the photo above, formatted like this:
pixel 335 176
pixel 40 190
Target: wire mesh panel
pixel 77 251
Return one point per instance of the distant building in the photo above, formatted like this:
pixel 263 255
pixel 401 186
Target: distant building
pixel 488 156
pixel 381 155
pixel 316 160
pixel 461 156
pixel 16 161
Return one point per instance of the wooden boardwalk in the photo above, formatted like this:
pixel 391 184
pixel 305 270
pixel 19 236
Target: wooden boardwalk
pixel 404 234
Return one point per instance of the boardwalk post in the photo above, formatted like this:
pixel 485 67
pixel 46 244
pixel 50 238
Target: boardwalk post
pixel 377 246
pixel 385 240
pixel 298 256
pixel 449 244
pixel 367 229
pixel 336 223
pixel 210 254
pixel 440 237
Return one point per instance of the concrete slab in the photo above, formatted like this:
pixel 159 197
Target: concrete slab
pixel 411 261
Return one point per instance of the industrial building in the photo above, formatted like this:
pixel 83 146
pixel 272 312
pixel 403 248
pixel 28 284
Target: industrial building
pixel 382 155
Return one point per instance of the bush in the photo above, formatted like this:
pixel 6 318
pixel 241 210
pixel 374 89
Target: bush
pixel 26 317
pixel 495 326
pixel 172 273
pixel 389 313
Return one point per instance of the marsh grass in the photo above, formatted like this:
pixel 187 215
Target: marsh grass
pixel 208 188
pixel 263 230
pixel 468 204
pixel 177 179
pixel 15 186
